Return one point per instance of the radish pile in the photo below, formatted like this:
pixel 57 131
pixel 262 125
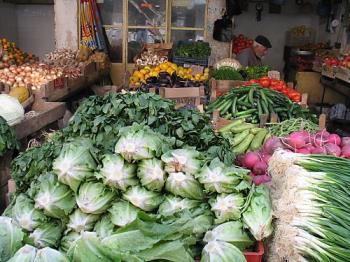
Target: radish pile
pixel 302 142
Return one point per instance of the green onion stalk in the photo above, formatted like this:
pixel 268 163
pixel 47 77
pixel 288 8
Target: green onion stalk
pixel 312 207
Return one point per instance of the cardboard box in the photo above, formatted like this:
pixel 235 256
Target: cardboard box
pixel 221 87
pixel 183 96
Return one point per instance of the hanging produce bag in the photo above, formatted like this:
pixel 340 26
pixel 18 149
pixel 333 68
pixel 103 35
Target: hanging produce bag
pixel 223 29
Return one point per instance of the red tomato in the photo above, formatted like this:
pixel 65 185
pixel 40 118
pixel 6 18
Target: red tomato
pixel 240 36
pixel 253 81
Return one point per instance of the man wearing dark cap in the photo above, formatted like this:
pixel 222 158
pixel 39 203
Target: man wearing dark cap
pixel 252 56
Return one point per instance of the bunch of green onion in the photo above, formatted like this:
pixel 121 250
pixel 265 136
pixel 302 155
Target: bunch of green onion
pixel 313 222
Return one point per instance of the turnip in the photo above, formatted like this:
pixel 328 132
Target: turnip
pixel 345 141
pixel 323 133
pixel 345 151
pixel 296 140
pixel 272 144
pixel 260 168
pixel 333 149
pixel 319 150
pixel 334 139
pixel 252 174
pixel 266 158
pixel 250 159
pixel 303 150
pixel 258 180
pixel 319 140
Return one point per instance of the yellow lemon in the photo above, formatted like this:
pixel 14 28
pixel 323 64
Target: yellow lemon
pixel 206 70
pixel 143 71
pixel 189 70
pixel 163 66
pixel 147 76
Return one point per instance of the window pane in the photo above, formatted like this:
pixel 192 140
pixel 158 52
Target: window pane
pixel 181 35
pixel 151 13
pixel 111 12
pixel 115 39
pixel 188 13
pixel 137 37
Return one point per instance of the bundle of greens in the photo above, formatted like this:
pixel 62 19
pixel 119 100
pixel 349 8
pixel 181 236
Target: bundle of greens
pixel 8 139
pixel 289 126
pixel 311 199
pixel 146 200
pixel 198 50
pixel 255 72
pixel 227 73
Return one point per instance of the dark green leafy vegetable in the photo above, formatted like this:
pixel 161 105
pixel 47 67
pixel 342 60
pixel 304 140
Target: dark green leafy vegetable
pixel 8 139
pixel 255 72
pixel 197 50
pixel 227 73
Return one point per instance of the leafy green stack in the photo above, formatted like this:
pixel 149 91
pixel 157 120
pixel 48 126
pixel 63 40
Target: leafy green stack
pixel 227 73
pixel 100 118
pixel 311 201
pixel 148 200
pixel 250 102
pixel 255 72
pixel 8 139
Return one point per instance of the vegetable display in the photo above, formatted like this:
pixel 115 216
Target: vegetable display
pixel 250 102
pixel 310 199
pixel 228 62
pixel 279 86
pixel 292 125
pixel 146 198
pixel 8 140
pixel 241 42
pixel 227 73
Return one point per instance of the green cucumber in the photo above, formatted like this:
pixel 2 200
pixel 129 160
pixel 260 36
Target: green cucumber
pixel 244 145
pixel 246 112
pixel 231 125
pixel 233 109
pixel 256 130
pixel 239 138
pixel 258 140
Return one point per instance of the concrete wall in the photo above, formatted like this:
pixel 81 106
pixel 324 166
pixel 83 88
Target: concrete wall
pixel 35 28
pixel 8 21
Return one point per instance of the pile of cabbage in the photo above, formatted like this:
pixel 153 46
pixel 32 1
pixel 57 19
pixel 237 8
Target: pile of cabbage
pixel 146 201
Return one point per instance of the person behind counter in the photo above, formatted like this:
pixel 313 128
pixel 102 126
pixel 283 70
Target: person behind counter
pixel 252 56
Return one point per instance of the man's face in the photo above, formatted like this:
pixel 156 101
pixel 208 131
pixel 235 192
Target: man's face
pixel 260 51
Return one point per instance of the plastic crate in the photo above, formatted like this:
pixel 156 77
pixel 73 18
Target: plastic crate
pixel 256 256
pixel 181 61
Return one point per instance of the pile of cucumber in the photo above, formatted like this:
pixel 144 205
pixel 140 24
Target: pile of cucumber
pixel 250 102
pixel 244 136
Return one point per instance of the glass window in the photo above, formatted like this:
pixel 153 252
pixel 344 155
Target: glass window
pixel 181 35
pixel 137 37
pixel 188 13
pixel 111 12
pixel 115 40
pixel 146 13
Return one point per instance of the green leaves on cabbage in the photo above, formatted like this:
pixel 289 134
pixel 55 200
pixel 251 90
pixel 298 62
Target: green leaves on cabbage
pixel 231 232
pixel 94 198
pixel 79 221
pixel 117 173
pixel 68 240
pixel 11 237
pixel 142 198
pixel 75 163
pixel 104 228
pixel 227 207
pixel 138 143
pixel 47 235
pixel 55 198
pixel 220 178
pixel 182 160
pixel 258 216
pixel 48 254
pixel 184 185
pixel 173 205
pixel 219 251
pixel 123 213
pixel 24 254
pixel 25 214
pixel 151 174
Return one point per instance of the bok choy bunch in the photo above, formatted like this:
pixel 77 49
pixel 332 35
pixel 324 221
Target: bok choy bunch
pixel 313 208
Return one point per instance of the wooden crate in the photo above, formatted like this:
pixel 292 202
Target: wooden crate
pixel 47 113
pixel 343 74
pixel 221 87
pixel 183 96
pixel 53 90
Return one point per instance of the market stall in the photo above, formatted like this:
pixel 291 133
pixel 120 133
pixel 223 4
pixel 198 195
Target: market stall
pixel 191 157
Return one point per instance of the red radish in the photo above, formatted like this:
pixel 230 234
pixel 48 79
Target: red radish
pixel 239 160
pixel 252 174
pixel 345 152
pixel 332 149
pixel 266 158
pixel 323 133
pixel 296 140
pixel 345 141
pixel 334 139
pixel 258 180
pixel 319 140
pixel 303 150
pixel 319 150
pixel 272 144
pixel 310 147
pixel 250 159
pixel 260 168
